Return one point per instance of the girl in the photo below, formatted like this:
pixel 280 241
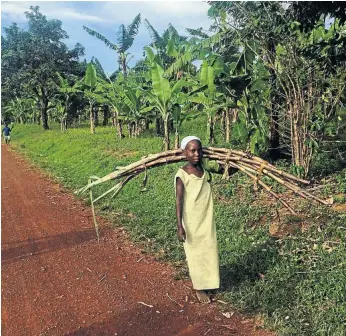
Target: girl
pixel 195 220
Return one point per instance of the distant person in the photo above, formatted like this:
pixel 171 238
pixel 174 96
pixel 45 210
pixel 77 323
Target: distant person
pixel 195 219
pixel 7 131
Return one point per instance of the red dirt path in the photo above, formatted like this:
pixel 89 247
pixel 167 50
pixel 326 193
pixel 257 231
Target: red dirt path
pixel 56 279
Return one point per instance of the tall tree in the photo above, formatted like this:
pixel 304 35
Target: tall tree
pixel 125 38
pixel 163 94
pixel 67 92
pixel 31 58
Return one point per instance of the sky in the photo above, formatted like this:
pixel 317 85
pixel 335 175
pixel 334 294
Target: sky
pixel 105 17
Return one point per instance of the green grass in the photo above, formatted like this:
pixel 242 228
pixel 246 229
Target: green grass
pixel 298 283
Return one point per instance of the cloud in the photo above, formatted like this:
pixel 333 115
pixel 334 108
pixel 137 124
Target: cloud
pixel 182 14
pixel 106 14
pixel 82 17
pixel 14 11
pixel 58 10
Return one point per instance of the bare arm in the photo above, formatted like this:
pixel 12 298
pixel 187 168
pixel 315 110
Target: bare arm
pixel 179 209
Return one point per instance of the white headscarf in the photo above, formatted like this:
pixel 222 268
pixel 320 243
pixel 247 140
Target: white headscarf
pixel 187 139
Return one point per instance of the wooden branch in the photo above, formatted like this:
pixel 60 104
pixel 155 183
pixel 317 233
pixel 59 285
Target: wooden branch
pixel 252 166
pixel 268 189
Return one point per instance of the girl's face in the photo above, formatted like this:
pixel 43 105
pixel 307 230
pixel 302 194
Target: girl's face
pixel 193 152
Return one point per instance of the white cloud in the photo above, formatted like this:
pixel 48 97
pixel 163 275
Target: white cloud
pixel 14 11
pixel 81 17
pixel 182 14
pixel 58 10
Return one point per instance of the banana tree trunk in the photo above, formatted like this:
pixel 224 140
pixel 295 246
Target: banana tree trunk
pixel 114 120
pixel 166 132
pixel 223 123
pixel 158 126
pixel 91 116
pixel 230 114
pixel 136 129
pixel 96 116
pixel 105 115
pixel 123 64
pixel 63 125
pixel 176 141
pixel 120 129
pixel 132 129
pixel 43 103
pixel 129 130
pixel 210 130
pixel 44 114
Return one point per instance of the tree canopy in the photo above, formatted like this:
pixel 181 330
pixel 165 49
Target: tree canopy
pixel 30 60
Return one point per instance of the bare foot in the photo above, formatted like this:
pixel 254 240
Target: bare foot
pixel 202 296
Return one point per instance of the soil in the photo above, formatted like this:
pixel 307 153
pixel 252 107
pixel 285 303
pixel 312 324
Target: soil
pixel 57 280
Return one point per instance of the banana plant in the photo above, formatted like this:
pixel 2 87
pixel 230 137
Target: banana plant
pixel 91 85
pixel 249 82
pixel 57 111
pixel 136 107
pixel 68 92
pixel 19 109
pixel 210 104
pixel 163 94
pixel 182 55
pixel 208 97
pixel 125 38
pixel 32 111
pixel 113 94
pixel 164 44
pixel 177 122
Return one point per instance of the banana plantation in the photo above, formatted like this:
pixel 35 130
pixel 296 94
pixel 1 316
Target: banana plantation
pixel 267 77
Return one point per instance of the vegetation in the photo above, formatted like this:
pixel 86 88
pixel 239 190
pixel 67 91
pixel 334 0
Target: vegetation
pixel 30 60
pixel 271 82
pixel 277 99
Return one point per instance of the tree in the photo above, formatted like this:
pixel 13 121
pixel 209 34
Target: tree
pixel 125 38
pixel 166 44
pixel 57 112
pixel 163 94
pixel 308 13
pixel 67 92
pixel 31 58
pixel 254 24
pixel 18 109
pixel 209 99
pixel 302 80
pixel 90 82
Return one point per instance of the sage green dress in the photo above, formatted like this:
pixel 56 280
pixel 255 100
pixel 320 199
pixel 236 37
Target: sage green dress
pixel 198 221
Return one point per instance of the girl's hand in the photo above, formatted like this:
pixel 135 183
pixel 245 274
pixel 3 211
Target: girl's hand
pixel 181 234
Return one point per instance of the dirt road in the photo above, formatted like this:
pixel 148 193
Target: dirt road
pixel 56 279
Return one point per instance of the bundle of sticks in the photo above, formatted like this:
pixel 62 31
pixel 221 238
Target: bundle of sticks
pixel 254 167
